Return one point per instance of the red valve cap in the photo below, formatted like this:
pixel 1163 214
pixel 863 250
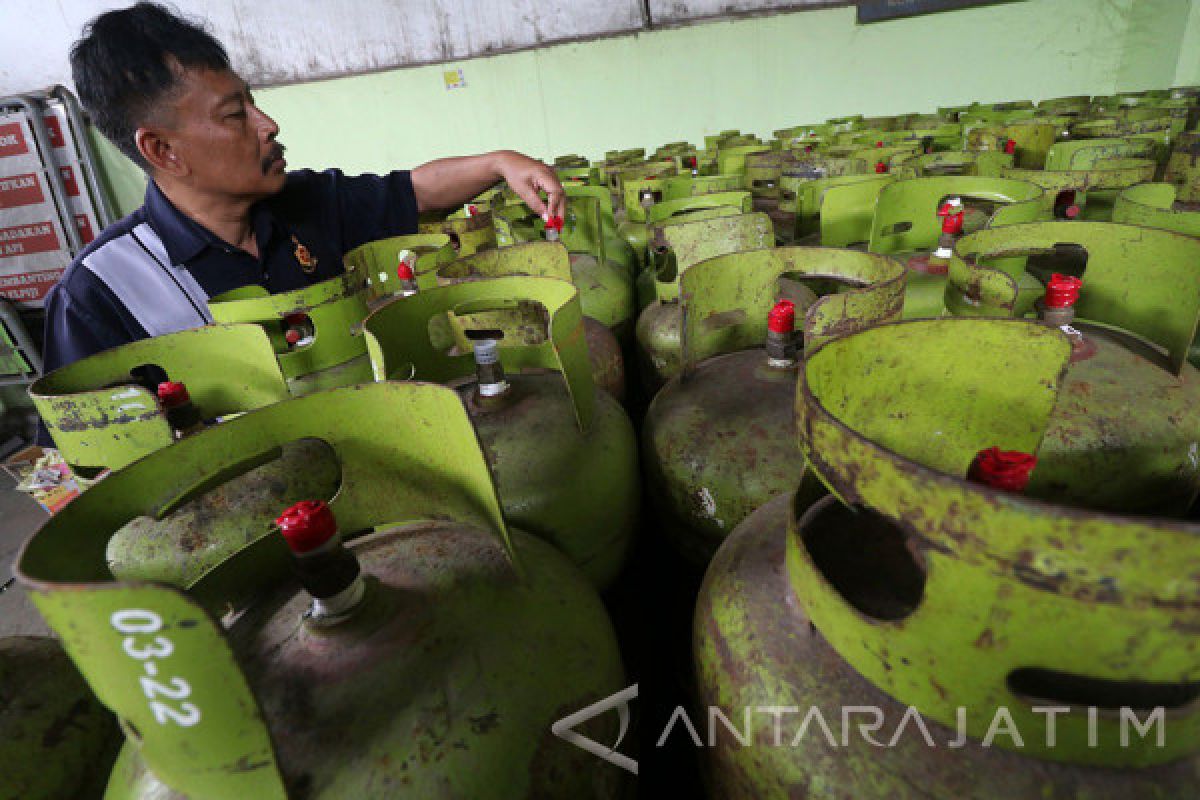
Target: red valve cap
pixel 782 318
pixel 307 525
pixel 880 168
pixel 554 223
pixel 172 394
pixel 1002 469
pixel 1062 291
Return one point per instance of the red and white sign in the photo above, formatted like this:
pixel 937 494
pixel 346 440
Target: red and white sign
pixel 15 138
pixel 29 287
pixel 68 174
pixel 21 190
pixel 33 245
pixel 59 128
pixel 87 230
pixel 24 240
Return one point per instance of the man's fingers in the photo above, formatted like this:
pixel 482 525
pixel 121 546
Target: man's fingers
pixel 528 193
pixel 556 202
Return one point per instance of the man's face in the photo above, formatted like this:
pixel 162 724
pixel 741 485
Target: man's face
pixel 227 144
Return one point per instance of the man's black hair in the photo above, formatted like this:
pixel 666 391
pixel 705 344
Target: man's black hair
pixel 128 61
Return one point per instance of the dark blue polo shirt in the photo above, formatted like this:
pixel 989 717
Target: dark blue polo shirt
pixel 152 272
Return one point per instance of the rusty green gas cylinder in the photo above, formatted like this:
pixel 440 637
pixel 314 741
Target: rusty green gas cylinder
pixel 758 657
pixel 914 225
pixel 527 324
pixel 440 613
pixel 1160 205
pixel 951 593
pixel 605 288
pixel 691 208
pixel 1183 166
pixel 470 228
pixel 647 203
pixel 399 641
pixel 678 244
pixel 1095 186
pixel 1127 383
pixel 720 442
pixel 564 454
pixel 104 412
pixel 832 199
pixel 196 535
pixel 616 249
pixel 332 354
pixel 718 439
pixel 56 739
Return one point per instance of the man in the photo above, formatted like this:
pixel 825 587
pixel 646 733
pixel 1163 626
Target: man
pixel 221 211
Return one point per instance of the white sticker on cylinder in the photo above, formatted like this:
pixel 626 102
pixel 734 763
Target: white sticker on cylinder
pixel 709 504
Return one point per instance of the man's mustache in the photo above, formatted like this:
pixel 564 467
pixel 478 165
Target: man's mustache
pixel 276 153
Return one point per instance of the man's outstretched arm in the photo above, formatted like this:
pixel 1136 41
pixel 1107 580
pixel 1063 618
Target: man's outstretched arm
pixel 450 182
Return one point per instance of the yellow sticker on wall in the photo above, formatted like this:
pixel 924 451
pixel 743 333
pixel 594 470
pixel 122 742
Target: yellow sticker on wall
pixel 454 79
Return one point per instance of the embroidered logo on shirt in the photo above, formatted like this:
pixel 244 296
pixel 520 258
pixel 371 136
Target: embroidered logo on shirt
pixel 308 262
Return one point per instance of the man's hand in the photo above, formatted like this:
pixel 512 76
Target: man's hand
pixel 450 182
pixel 528 178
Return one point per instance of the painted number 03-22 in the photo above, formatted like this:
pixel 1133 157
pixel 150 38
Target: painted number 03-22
pixel 167 696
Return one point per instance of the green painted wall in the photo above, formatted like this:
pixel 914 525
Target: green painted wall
pixel 1153 38
pixel 1187 69
pixel 755 74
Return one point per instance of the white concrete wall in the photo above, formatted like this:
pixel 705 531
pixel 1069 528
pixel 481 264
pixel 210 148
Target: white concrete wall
pixel 274 42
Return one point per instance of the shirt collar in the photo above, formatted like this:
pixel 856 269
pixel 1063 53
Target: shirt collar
pixel 184 238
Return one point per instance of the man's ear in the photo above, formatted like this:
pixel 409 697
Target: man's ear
pixel 156 149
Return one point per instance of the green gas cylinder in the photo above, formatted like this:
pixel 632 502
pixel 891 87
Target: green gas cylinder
pixel 571 160
pixel 470 228
pixel 1157 125
pixel 678 245
pixel 313 329
pixel 375 263
pixel 1091 190
pixel 762 664
pixel 1074 105
pixel 917 222
pixel 605 288
pixel 1157 205
pixel 650 206
pixel 183 540
pixel 982 163
pixel 104 411
pixel 1078 153
pixel 618 175
pixel 681 186
pixel 616 249
pixel 1131 320
pixel 399 640
pixel 56 739
pixel 527 324
pixel 762 178
pixel 731 158
pixel 1027 141
pixel 832 199
pixel 1160 205
pixel 718 440
pixel 950 594
pixel 1183 167
pixel 535 428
